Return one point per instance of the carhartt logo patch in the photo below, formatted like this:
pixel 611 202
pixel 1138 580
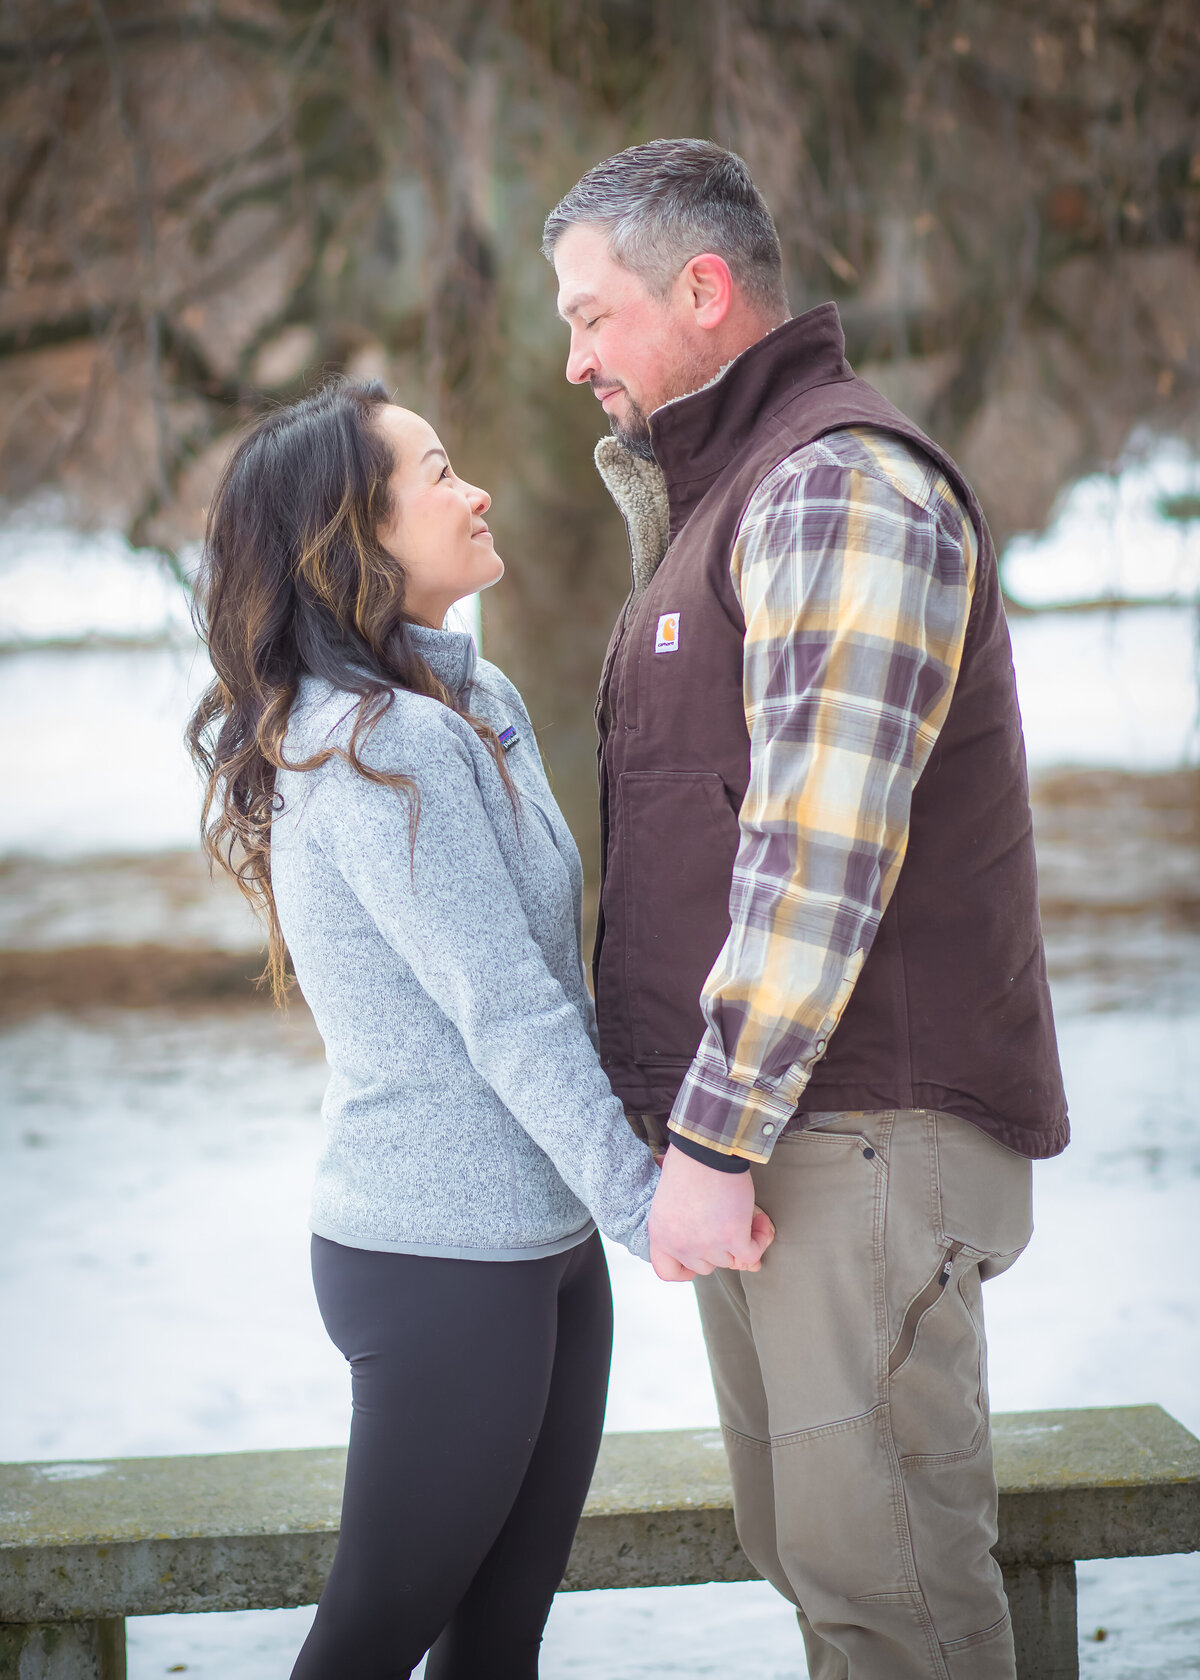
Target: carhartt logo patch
pixel 667 639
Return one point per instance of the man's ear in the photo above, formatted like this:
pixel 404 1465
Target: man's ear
pixel 708 289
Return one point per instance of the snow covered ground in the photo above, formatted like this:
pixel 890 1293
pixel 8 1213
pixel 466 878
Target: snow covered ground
pixel 156 1165
pixel 155 1278
pixel 1114 688
pixel 1096 688
pixel 1108 536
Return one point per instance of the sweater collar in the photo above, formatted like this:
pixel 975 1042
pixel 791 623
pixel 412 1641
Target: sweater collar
pixel 694 438
pixel 450 654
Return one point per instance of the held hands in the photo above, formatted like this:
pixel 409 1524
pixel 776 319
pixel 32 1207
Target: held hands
pixel 701 1219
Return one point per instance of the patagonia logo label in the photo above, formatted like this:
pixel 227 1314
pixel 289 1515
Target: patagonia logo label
pixel 667 639
pixel 508 738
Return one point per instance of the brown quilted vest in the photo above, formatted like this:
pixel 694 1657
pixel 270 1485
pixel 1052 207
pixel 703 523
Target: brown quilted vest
pixel 951 1009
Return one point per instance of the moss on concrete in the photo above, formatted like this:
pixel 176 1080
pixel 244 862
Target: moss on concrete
pixel 257 1530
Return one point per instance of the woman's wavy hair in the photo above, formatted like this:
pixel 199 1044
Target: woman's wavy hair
pixel 295 581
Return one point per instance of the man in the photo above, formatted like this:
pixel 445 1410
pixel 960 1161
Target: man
pixel 819 968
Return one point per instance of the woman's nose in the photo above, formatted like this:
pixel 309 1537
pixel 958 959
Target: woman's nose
pixel 479 499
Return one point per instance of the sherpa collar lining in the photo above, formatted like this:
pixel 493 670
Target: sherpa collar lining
pixel 640 492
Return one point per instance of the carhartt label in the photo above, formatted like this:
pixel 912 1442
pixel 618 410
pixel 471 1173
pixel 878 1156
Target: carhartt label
pixel 667 639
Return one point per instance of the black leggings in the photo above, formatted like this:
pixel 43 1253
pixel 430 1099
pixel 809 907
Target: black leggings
pixel 479 1390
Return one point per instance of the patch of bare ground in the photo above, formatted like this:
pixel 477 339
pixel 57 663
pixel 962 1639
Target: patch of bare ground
pixel 125 932
pixel 1117 841
pixel 164 898
pixel 1119 869
pixel 1118 858
pixel 127 977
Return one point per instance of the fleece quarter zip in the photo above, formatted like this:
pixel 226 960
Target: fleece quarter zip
pixel 466 1114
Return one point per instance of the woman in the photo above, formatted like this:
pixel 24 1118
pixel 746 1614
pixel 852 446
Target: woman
pixel 378 792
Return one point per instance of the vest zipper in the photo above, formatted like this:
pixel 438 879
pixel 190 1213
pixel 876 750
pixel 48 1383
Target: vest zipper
pixel 929 1296
pixel 603 712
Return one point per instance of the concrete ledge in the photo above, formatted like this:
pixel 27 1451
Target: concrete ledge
pixel 1120 1481
pixel 659 1513
pixel 247 1531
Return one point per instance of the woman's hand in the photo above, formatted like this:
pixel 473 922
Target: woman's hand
pixel 762 1232
pixel 702 1219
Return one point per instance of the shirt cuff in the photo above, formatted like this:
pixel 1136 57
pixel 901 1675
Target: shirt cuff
pixel 709 1157
pixel 718 1112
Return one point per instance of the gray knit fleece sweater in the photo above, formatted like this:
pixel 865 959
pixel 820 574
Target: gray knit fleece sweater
pixel 467 1113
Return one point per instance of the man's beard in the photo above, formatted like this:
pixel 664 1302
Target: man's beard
pixel 632 431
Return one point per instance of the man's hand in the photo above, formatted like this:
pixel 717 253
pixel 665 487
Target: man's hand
pixel 701 1219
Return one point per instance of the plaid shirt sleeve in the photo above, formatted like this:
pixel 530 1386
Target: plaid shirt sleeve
pixel 854 564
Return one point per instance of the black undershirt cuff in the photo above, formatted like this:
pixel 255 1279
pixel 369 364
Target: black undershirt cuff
pixel 709 1157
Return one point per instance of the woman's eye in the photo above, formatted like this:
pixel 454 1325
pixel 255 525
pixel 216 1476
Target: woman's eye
pixel 445 472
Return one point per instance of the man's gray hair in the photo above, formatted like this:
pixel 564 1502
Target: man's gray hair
pixel 663 203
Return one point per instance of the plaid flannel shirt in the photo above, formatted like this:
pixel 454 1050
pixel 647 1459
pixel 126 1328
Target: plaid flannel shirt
pixel 854 564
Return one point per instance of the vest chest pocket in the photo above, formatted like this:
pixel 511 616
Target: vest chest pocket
pixel 682 836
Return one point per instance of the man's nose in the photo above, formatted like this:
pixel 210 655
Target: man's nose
pixel 581 363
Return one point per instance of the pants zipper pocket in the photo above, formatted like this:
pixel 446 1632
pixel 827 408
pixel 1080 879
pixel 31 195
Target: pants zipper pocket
pixel 919 1306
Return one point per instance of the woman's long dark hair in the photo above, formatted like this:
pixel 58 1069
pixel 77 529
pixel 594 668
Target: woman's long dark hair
pixel 295 581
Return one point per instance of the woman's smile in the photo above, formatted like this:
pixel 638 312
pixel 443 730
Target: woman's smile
pixel 433 516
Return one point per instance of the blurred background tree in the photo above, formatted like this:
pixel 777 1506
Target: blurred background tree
pixel 209 203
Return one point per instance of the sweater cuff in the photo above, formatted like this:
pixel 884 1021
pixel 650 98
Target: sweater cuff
pixel 709 1157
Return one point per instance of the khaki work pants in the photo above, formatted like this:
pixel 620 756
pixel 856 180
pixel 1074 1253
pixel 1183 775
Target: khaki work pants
pixel 851 1379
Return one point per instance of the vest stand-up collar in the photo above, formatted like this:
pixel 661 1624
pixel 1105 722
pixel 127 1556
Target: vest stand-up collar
pixel 695 437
